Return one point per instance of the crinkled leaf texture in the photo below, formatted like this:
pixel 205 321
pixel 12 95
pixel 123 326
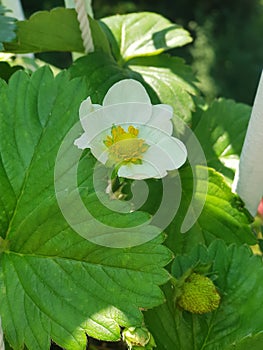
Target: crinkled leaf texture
pixel 53 283
pixel 143 34
pixel 208 210
pixel 7 27
pixel 237 322
pixel 171 79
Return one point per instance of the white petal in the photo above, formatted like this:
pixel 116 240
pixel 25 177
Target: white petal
pixel 86 107
pixel 159 125
pixel 169 154
pixel 161 118
pixel 100 152
pixel 139 171
pixel 127 90
pixel 167 107
pixel 82 142
pixel 176 151
pixel 100 121
pixel 159 159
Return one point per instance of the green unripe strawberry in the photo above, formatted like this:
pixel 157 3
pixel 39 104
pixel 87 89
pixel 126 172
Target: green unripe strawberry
pixel 199 295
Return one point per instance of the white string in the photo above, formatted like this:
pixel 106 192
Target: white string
pixel 84 25
pixel 248 182
pixel 2 344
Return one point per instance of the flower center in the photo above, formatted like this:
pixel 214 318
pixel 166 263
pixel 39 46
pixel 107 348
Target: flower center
pixel 124 146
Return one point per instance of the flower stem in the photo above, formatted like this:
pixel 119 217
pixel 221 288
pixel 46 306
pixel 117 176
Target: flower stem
pixel 248 182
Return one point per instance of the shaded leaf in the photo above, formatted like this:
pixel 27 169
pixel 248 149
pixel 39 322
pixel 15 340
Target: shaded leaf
pixel 221 130
pixel 252 342
pixel 100 71
pixel 6 70
pixel 238 278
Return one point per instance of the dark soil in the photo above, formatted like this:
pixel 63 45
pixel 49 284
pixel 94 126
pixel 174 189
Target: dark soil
pixel 99 345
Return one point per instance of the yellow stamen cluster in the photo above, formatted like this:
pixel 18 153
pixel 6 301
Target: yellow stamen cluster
pixel 124 146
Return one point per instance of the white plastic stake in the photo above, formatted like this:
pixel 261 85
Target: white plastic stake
pixel 248 182
pixel 15 7
pixel 84 26
pixel 17 12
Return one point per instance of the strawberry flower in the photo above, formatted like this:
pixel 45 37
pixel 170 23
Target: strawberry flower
pixel 130 134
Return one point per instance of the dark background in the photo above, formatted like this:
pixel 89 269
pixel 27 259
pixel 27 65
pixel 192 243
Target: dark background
pixel 227 53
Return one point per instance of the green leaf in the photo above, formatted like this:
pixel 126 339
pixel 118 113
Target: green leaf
pixel 172 81
pixel 166 79
pixel 100 72
pixel 57 30
pixel 252 342
pixel 7 27
pixel 221 130
pixel 137 40
pixel 142 34
pixel 238 278
pixel 54 283
pixel 223 215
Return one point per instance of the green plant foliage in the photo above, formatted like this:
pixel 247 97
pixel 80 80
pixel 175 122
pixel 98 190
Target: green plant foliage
pixel 171 79
pixel 143 34
pixel 55 30
pixel 166 79
pixel 7 27
pixel 56 285
pixel 100 72
pixel 237 275
pixel 252 342
pixel 53 283
pixel 221 130
pixel 223 215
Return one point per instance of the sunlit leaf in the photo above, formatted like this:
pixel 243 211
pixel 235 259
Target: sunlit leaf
pixel 166 79
pixel 143 34
pixel 171 79
pixel 54 283
pixel 223 216
pixel 57 30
